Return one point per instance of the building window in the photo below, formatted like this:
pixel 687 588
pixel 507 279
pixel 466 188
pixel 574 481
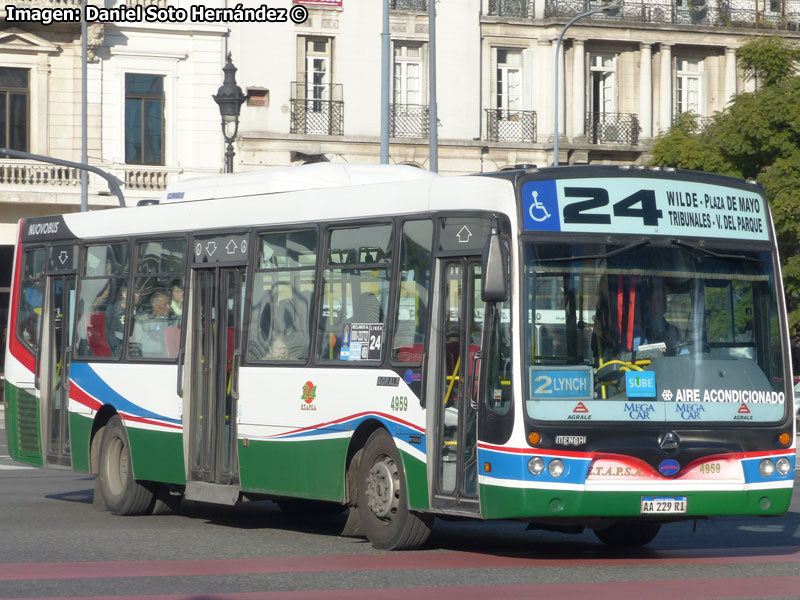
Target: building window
pixel 14 100
pixel 407 73
pixel 144 119
pixel 508 87
pixel 318 72
pixel 687 86
pixel 602 93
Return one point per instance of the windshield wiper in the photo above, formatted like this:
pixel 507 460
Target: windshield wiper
pixel 682 244
pixel 628 248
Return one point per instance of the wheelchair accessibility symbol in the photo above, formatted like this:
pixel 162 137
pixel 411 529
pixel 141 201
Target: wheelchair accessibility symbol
pixel 538 211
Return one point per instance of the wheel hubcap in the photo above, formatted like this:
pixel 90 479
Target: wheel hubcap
pixel 383 489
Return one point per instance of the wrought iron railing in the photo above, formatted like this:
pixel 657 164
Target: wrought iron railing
pixel 689 12
pixel 511 8
pixel 317 109
pixel 408 120
pixel 415 5
pixel 612 128
pixel 510 125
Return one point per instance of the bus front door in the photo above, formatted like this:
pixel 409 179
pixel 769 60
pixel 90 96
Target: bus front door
pixel 458 358
pixel 213 358
pixel 55 357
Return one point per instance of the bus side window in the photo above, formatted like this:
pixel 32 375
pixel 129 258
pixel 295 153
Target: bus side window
pixel 31 296
pixel 157 307
pixel 101 304
pixel 355 295
pixel 415 276
pixel 282 292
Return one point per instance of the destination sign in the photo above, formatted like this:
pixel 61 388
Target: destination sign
pixel 639 205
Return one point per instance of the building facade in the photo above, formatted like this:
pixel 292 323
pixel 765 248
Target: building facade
pixel 625 75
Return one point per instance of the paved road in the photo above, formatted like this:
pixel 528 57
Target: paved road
pixel 53 544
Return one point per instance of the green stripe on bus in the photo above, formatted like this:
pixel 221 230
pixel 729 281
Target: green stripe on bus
pixel 80 432
pixel 505 503
pixel 308 469
pixel 22 425
pixel 157 455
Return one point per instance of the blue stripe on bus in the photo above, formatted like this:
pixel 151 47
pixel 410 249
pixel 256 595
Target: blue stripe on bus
pixel 506 465
pixel 94 385
pixel 752 475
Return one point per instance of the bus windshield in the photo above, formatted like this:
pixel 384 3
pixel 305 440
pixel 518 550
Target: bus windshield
pixel 646 331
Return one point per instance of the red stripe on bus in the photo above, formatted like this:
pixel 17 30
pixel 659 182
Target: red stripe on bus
pixel 349 418
pixel 376 562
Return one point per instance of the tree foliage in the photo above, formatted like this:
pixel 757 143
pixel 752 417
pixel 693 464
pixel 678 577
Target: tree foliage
pixel 757 136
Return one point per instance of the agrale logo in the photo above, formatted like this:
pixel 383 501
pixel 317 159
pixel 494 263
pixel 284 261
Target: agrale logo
pixel 308 395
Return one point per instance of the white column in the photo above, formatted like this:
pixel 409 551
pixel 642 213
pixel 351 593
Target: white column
pixel 578 89
pixel 562 92
pixel 646 90
pixel 544 90
pixel 730 74
pixel 665 87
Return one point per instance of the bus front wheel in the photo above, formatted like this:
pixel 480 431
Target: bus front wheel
pixel 122 494
pixel 383 499
pixel 630 534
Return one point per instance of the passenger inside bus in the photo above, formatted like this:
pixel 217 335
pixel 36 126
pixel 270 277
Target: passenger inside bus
pixel 150 330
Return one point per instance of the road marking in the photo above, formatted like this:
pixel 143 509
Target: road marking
pixel 686 589
pixel 378 562
pixel 13 467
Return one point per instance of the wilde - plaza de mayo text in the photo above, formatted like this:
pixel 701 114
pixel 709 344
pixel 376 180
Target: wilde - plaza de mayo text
pixel 155 14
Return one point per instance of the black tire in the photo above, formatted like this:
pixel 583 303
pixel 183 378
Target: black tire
pixel 164 503
pixel 121 493
pixel 628 534
pixel 383 498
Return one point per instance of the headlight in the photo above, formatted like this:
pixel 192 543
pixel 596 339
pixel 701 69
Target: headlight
pixel 556 467
pixel 536 466
pixel 783 466
pixel 766 467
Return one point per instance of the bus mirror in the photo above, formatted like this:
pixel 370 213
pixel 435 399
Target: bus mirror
pixel 494 270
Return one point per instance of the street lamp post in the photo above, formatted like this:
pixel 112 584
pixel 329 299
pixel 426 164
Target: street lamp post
pixel 229 98
pixel 606 8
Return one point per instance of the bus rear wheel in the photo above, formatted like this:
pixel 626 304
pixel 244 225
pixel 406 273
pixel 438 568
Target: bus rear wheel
pixel 628 534
pixel 122 494
pixel 383 499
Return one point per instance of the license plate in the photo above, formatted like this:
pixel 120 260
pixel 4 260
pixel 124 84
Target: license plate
pixel 661 505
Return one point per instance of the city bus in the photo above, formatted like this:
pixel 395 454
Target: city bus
pixel 601 347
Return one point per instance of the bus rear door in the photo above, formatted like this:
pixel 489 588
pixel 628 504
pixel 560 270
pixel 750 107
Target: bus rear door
pixel 213 356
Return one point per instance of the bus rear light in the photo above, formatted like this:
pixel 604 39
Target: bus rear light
pixel 766 467
pixel 534 438
pixel 783 466
pixel 536 466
